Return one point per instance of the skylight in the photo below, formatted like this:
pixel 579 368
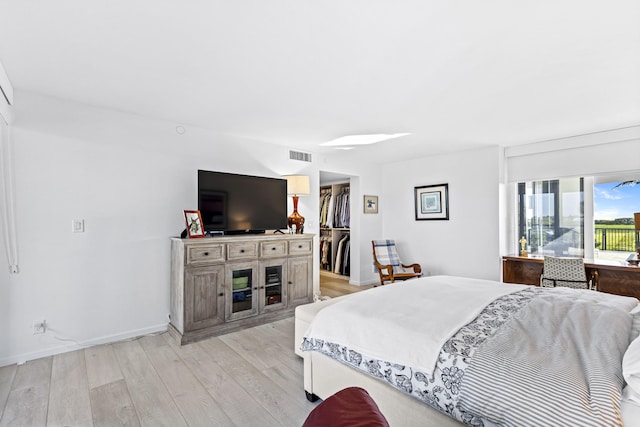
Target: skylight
pixel 361 139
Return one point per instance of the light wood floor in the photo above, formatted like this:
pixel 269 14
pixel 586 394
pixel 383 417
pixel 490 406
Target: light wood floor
pixel 246 378
pixel 334 285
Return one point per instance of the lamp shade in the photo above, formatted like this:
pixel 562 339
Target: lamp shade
pixel 636 220
pixel 297 185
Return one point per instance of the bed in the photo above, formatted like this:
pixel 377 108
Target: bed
pixel 450 351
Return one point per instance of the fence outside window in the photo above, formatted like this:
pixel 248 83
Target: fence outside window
pixel 615 239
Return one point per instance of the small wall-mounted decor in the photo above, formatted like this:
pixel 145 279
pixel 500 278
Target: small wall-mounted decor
pixel 432 202
pixel 194 224
pixel 371 204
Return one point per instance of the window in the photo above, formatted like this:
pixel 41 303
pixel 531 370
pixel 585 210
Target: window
pixel 615 202
pixel 551 216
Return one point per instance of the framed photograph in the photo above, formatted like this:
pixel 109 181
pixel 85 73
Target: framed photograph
pixel 371 204
pixel 194 224
pixel 432 202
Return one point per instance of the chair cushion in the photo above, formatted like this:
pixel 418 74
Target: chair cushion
pixel 350 407
pixel 386 254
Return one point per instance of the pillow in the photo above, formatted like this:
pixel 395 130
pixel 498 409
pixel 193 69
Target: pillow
pixel 635 325
pixel 631 371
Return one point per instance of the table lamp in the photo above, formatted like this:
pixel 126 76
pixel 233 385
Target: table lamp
pixel 297 185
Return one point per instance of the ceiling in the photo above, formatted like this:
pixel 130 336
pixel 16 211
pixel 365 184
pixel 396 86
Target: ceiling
pixel 455 74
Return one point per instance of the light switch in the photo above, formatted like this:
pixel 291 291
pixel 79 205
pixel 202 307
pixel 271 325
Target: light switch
pixel 78 225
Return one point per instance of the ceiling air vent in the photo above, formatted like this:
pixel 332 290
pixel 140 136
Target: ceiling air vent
pixel 299 155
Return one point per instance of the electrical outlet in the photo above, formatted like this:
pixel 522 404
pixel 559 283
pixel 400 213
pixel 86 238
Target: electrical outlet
pixel 39 327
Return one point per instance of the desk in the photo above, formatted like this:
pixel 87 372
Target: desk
pixel 614 278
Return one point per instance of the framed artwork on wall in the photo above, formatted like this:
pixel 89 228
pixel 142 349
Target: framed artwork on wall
pixel 194 224
pixel 371 204
pixel 432 202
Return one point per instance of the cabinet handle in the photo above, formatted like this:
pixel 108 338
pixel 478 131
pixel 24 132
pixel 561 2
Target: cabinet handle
pixel 299 246
pixel 221 294
pixel 206 254
pixel 241 251
pixel 255 289
pixel 261 287
pixel 289 282
pixel 273 248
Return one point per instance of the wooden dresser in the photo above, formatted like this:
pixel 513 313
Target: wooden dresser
pixel 222 284
pixel 614 278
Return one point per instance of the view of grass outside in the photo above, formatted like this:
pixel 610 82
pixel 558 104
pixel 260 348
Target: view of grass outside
pixel 614 206
pixel 615 237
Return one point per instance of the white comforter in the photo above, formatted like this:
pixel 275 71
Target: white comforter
pixel 419 345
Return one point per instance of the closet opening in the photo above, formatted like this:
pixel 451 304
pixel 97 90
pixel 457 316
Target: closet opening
pixel 335 231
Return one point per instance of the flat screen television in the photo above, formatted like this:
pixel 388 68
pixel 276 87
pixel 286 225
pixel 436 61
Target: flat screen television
pixel 235 204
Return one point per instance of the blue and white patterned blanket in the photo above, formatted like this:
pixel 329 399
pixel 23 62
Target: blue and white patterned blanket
pixel 492 349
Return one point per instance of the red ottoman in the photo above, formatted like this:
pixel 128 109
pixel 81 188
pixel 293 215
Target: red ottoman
pixel 350 407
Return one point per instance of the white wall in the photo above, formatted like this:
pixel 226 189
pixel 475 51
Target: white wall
pixel 129 178
pixel 598 153
pixel 465 245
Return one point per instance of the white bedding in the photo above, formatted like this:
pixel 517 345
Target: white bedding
pixel 419 345
pixel 438 297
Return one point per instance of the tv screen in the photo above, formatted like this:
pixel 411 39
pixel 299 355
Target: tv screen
pixel 241 203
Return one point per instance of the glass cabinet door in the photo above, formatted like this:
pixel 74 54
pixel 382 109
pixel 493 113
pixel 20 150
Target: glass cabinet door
pixel 242 290
pixel 272 285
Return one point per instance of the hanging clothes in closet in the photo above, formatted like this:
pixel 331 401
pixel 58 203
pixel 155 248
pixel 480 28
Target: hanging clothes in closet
pixel 345 269
pixel 341 213
pixel 325 250
pixel 342 255
pixel 326 208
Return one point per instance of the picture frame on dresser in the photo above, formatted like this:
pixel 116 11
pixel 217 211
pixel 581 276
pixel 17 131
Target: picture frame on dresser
pixel 432 202
pixel 193 219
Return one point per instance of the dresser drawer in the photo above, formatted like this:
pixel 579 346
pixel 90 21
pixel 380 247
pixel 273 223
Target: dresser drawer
pixel 205 254
pixel 242 250
pixel 273 249
pixel 300 247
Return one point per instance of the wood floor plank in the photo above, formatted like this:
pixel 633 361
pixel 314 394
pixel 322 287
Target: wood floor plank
pixel 289 379
pixel 232 398
pixel 280 333
pixel 102 365
pixel 7 374
pixel 112 406
pixel 332 285
pixel 273 398
pixel 251 345
pixel 195 403
pixel 288 373
pixel 29 397
pixel 286 340
pixel 152 401
pixel 69 401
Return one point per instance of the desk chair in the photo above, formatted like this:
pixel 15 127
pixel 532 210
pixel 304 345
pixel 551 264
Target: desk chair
pixel 567 272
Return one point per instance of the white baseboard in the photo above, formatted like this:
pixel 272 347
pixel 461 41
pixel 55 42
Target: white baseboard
pixel 21 358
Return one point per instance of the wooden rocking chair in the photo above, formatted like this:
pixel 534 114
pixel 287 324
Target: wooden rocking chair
pixel 387 261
